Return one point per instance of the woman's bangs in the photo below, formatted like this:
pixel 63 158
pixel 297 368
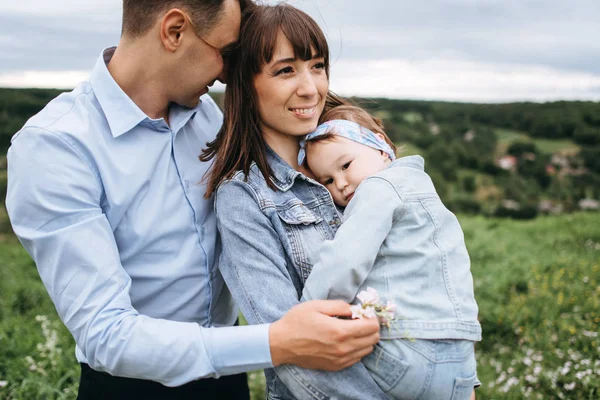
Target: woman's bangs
pixel 305 36
pixel 298 27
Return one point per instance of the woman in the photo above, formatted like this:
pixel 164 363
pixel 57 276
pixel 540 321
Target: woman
pixel 273 217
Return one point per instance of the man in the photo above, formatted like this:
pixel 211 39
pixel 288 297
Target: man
pixel 104 193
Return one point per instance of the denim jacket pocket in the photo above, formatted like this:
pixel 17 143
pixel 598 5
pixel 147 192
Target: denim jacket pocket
pixel 305 234
pixel 297 214
pixel 463 387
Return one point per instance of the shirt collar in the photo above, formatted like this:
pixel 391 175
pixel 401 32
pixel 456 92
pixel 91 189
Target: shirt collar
pixel 121 112
pixel 283 175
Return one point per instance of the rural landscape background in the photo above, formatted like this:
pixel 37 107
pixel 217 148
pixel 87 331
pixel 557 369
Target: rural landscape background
pixel 524 179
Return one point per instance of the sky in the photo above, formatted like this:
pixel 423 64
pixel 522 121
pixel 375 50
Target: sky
pixel 455 50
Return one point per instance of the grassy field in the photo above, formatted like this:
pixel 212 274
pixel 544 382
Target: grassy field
pixel 547 146
pixel 537 284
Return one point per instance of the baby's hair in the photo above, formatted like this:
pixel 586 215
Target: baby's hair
pixel 354 114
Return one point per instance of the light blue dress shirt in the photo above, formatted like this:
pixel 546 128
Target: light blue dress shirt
pixel 108 202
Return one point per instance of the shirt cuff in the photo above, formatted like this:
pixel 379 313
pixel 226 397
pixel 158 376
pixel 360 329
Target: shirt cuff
pixel 237 349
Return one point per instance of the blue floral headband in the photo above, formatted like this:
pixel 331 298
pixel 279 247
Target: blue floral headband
pixel 349 130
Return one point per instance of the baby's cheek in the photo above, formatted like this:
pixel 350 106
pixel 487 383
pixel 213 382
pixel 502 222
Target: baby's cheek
pixel 338 198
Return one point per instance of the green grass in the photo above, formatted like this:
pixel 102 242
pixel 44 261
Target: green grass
pixel 36 351
pixel 412 117
pixel 408 149
pixel 537 283
pixel 507 136
pixel 538 288
pixel 547 146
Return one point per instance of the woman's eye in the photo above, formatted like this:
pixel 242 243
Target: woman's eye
pixel 345 166
pixel 285 70
pixel 320 65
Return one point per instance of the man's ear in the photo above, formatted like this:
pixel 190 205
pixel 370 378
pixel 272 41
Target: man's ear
pixel 172 28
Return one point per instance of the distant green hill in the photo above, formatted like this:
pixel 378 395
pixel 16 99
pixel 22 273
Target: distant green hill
pixel 497 159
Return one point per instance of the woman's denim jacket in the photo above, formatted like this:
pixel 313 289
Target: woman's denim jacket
pixel 270 240
pixel 400 239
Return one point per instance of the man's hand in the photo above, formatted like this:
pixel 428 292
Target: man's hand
pixel 309 336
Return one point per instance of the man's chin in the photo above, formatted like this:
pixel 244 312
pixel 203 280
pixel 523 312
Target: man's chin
pixel 191 103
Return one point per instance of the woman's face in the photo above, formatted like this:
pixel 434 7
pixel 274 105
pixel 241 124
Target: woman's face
pixel 290 93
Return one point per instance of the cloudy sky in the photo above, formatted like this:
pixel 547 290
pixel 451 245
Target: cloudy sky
pixel 463 50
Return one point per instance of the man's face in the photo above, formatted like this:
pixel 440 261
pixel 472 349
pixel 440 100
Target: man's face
pixel 203 64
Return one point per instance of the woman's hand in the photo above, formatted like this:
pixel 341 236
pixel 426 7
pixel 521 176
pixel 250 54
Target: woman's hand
pixel 309 336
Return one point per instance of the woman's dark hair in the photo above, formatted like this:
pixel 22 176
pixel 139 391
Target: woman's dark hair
pixel 240 141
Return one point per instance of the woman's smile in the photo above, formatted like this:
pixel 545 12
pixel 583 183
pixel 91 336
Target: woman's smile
pixel 304 112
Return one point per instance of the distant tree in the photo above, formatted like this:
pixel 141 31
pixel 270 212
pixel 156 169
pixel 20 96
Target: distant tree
pixel 585 136
pixel 441 157
pixel 521 147
pixel 469 184
pixel 591 158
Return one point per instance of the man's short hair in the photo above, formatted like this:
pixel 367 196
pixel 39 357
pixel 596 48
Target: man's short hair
pixel 140 15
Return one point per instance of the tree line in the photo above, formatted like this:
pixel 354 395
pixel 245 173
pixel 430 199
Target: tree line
pixel 469 162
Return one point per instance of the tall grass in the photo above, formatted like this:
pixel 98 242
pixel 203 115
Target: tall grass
pixel 537 283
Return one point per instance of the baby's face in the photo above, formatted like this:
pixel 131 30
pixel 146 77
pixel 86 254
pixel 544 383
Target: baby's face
pixel 341 164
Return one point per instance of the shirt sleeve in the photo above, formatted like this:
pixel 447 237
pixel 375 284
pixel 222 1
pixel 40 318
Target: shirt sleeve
pixel 54 203
pixel 253 264
pixel 346 261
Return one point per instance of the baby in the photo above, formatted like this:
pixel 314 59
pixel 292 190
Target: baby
pixel 400 242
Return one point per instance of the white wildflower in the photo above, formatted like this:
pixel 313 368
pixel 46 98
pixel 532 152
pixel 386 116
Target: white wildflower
pixel 501 378
pixel 559 353
pixel 570 386
pixel 369 312
pixel 369 296
pixel 391 306
pixel 356 311
pixel 530 378
pixel 512 381
pixel 529 352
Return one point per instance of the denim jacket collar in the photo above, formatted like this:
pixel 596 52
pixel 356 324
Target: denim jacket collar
pixel 284 175
pixel 416 162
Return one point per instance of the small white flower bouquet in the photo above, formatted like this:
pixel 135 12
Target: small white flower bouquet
pixel 372 307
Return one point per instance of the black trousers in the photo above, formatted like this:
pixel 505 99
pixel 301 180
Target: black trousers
pixel 95 385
